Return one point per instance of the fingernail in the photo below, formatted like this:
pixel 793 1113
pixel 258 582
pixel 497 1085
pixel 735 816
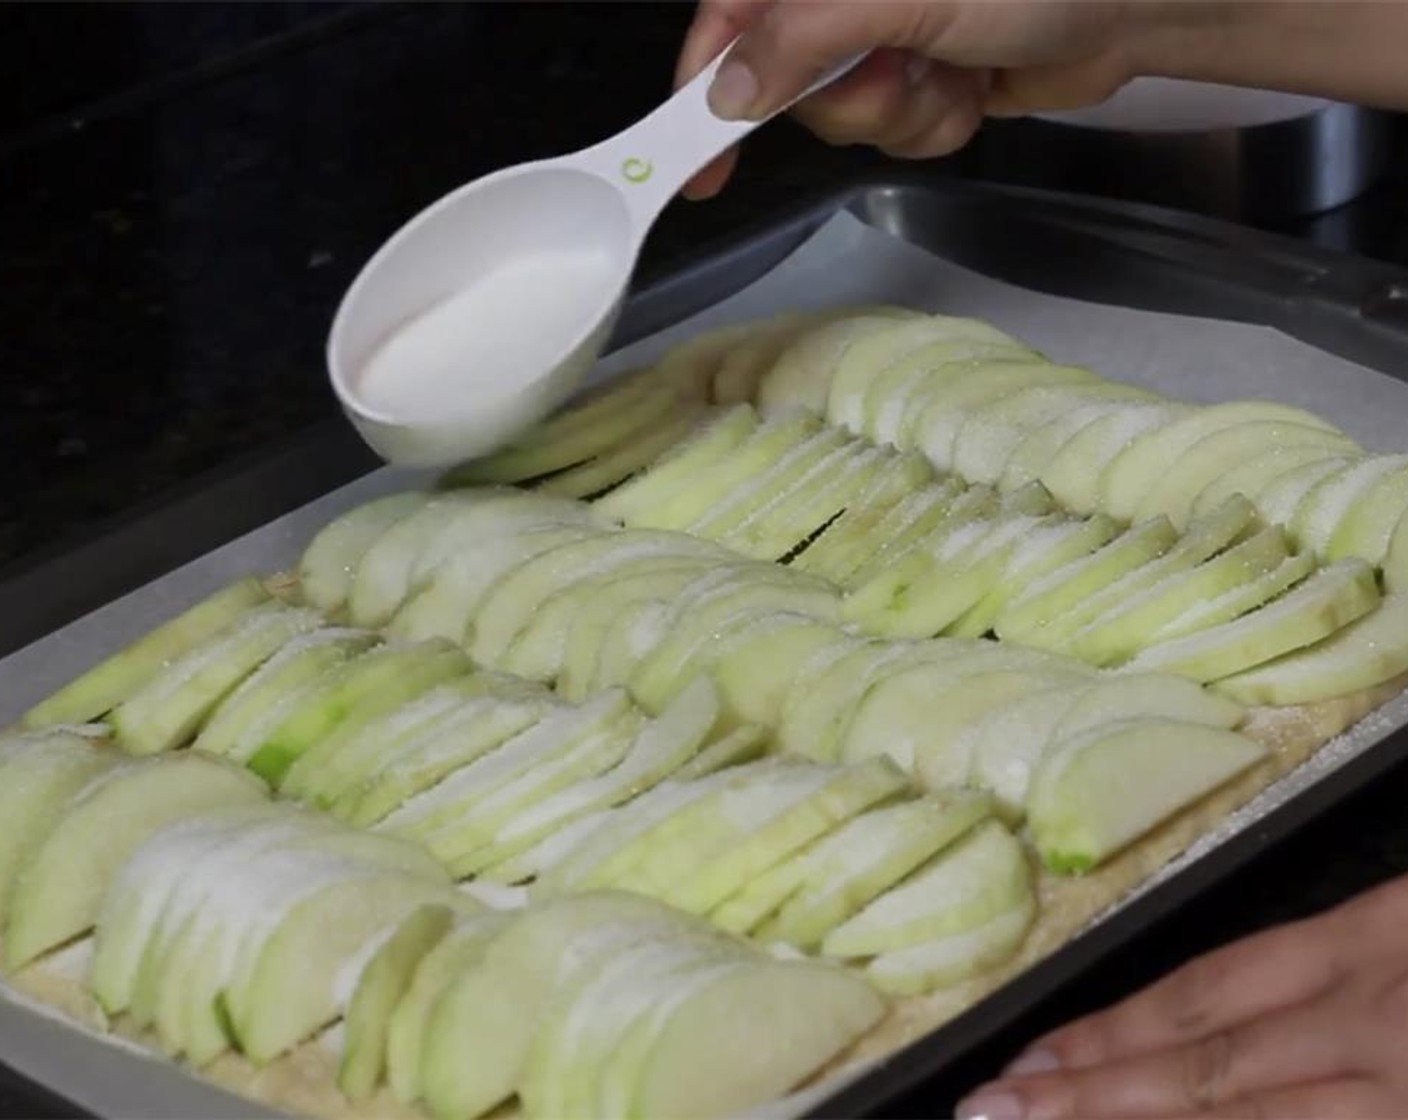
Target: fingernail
pixel 733 91
pixel 1033 1061
pixel 990 1106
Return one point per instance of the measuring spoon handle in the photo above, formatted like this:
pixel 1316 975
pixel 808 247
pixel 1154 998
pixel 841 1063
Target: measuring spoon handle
pixel 656 156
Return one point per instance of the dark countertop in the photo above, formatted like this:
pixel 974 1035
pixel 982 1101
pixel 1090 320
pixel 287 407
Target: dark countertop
pixel 186 190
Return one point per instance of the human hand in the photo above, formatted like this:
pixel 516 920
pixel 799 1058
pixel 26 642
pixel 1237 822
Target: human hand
pixel 1306 1020
pixel 936 70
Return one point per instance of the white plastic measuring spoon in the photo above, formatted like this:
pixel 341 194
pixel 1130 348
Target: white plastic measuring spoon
pixel 483 313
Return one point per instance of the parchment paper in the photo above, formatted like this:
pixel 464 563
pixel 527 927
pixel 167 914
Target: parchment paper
pixel 1191 359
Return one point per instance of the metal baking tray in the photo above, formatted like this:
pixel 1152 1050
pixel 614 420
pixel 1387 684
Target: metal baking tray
pixel 1093 250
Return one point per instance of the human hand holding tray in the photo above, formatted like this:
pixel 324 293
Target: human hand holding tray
pixel 844 263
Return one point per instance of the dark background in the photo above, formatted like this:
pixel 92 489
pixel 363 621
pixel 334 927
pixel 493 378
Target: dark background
pixel 186 190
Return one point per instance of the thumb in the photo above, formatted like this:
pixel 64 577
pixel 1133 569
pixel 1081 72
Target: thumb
pixel 795 42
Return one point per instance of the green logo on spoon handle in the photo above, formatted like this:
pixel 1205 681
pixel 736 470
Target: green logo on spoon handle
pixel 636 170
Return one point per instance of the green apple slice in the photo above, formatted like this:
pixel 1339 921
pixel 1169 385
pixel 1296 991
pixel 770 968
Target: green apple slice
pixel 329 563
pixel 749 1036
pixel 867 358
pixel 865 546
pixel 126 672
pixel 801 377
pixel 1026 617
pixel 694 458
pixel 381 986
pixel 755 676
pixel 1254 475
pixel 968 883
pixel 1176 484
pixel 1127 480
pixel 992 433
pixel 348 698
pixel 1329 501
pixel 850 792
pixel 787 523
pixel 458 950
pixel 637 451
pixel 597 424
pixel 891 398
pixel 1073 473
pixel 742 744
pixel 1278 501
pixel 694 362
pixel 58 889
pixel 545 742
pixel 1046 548
pixel 425 757
pixel 945 410
pixel 1093 794
pixel 1120 634
pixel 942 751
pixel 957 957
pixel 855 531
pixel 1395 562
pixel 927 531
pixel 446 605
pixel 851 867
pixel 794 468
pixel 1003 746
pixel 1033 454
pixel 295 987
pixel 170 708
pixel 537 650
pixel 494 1009
pixel 663 745
pixel 1240 600
pixel 744 365
pixel 1205 538
pixel 407 556
pixel 301 661
pixel 1367 526
pixel 40 774
pixel 1364 655
pixel 508 605
pixel 1326 602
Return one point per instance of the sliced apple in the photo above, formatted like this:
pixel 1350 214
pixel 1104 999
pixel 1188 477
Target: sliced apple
pixel 751 1035
pixel 458 950
pixel 1242 600
pixel 1254 475
pixel 801 376
pixel 348 698
pixel 954 958
pixel 40 774
pixel 123 674
pixel 1026 617
pixel 888 566
pixel 1278 500
pixel 636 451
pixel 1034 452
pixel 301 661
pixel 1329 501
pixel 1326 602
pixel 1367 526
pixel 742 744
pixel 848 869
pixel 743 366
pixel 967 884
pixel 1094 793
pixel 58 889
pixel 446 605
pixel 1363 655
pixel 945 411
pixel 1073 473
pixel 1120 634
pixel 851 791
pixel 1173 487
pixel 755 675
pixel 329 563
pixel 1395 562
pixel 1127 480
pixel 380 987
pixel 702 451
pixel 992 433
pixel 851 545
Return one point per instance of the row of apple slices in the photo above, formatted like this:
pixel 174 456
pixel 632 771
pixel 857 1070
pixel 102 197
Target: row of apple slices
pixel 493 776
pixel 222 920
pixel 984 406
pixel 603 608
